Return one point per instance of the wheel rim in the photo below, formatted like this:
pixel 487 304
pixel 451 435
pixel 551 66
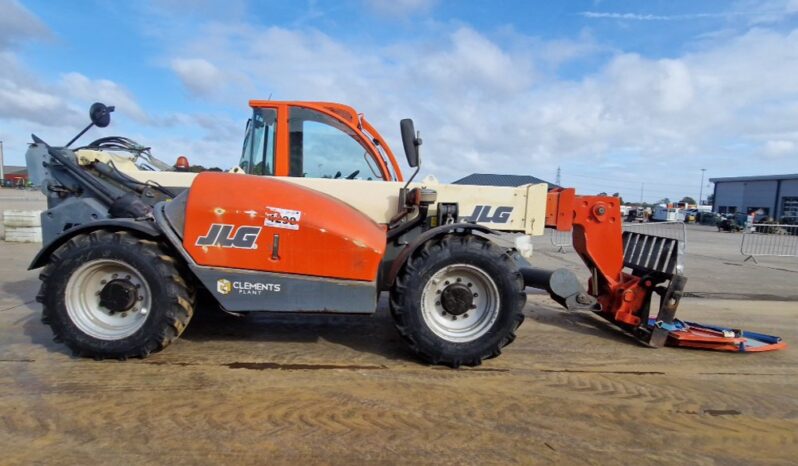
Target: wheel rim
pixel 453 323
pixel 83 299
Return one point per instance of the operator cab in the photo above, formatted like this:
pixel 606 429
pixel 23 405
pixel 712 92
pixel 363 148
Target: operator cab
pixel 314 140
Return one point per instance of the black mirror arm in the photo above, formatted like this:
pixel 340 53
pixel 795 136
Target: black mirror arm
pixel 100 116
pixel 410 180
pixel 416 142
pixel 79 135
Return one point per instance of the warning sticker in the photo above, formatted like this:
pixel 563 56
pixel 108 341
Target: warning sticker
pixel 282 218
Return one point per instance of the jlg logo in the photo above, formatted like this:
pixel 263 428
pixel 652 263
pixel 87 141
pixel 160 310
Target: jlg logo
pixel 227 236
pixel 482 214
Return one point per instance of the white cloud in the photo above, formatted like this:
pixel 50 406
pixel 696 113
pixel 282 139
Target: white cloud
pixel 761 12
pixel 79 87
pixel 781 148
pixel 400 7
pixel 470 61
pixel 750 11
pixel 26 103
pixel 22 96
pixel 54 108
pixel 484 101
pixel 200 76
pixel 649 17
pixel 18 24
pixel 489 105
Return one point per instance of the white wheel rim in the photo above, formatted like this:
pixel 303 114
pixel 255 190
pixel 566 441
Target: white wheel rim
pixel 83 300
pixel 476 321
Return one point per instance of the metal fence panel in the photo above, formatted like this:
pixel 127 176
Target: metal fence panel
pixel 671 230
pixel 562 240
pixel 765 239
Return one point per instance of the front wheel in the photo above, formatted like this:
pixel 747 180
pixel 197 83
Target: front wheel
pixel 458 300
pixel 113 295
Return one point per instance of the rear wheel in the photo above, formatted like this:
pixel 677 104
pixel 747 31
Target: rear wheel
pixel 458 300
pixel 113 295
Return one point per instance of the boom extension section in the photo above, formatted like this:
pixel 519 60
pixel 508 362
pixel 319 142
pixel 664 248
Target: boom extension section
pixel 622 297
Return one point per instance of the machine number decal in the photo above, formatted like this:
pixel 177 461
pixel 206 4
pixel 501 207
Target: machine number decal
pixel 282 218
pixel 228 236
pixel 482 214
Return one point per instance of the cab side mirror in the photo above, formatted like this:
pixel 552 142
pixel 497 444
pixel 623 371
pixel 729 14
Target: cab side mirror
pixel 411 141
pixel 100 114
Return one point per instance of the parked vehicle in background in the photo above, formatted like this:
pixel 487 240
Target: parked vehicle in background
pixel 663 213
pixel 635 215
pixel 730 223
pixel 709 218
pixel 790 220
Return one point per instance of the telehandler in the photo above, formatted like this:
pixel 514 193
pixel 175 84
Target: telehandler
pixel 317 217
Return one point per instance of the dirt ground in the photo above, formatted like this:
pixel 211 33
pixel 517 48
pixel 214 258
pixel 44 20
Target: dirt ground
pixel 342 390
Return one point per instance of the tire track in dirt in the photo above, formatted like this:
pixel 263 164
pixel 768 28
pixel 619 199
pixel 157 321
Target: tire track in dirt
pixel 565 391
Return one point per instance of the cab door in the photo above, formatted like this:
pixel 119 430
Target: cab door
pixel 260 142
pixel 323 145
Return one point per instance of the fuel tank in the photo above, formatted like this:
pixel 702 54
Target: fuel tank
pixel 263 224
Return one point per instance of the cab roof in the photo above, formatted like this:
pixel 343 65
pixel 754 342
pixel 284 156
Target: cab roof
pixel 344 111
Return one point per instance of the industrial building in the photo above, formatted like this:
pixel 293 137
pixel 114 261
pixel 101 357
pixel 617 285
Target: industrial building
pixel 489 179
pixel 14 175
pixel 773 195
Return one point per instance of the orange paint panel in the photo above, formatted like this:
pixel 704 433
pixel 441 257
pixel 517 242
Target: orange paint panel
pixel 398 171
pixel 262 223
pixel 560 208
pixel 281 151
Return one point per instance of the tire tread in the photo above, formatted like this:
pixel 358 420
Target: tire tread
pixel 180 305
pixel 438 249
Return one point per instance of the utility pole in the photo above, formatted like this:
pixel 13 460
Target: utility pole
pixel 701 188
pixel 2 166
pixel 558 176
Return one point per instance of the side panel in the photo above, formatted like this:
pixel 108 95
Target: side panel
pixel 264 224
pixel 242 291
pixel 521 209
pixel 379 199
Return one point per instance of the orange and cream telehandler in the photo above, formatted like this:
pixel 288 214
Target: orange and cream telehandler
pixel 317 217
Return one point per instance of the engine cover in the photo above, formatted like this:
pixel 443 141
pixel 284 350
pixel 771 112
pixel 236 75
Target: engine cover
pixel 260 223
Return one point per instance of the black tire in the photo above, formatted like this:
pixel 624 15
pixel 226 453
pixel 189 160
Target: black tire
pixel 435 255
pixel 172 301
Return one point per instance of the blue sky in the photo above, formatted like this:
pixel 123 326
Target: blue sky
pixel 616 93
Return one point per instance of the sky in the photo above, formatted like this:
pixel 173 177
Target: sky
pixel 619 95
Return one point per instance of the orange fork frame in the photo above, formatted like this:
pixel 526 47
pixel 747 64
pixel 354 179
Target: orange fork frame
pixel 625 299
pixel 598 239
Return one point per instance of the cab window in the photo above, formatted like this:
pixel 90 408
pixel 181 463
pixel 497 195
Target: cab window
pixel 257 157
pixel 323 147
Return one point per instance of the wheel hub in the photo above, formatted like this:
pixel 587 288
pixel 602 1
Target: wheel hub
pixel 460 302
pixel 118 295
pixel 457 299
pixel 108 299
